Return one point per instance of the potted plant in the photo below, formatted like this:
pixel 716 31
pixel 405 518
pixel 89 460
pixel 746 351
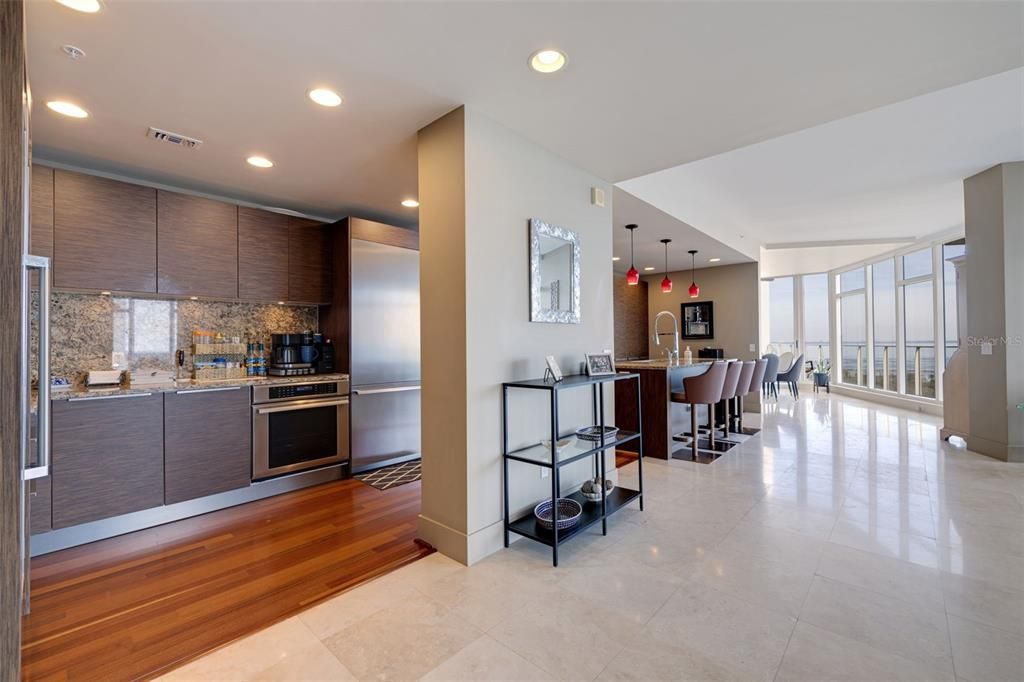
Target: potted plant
pixel 821 373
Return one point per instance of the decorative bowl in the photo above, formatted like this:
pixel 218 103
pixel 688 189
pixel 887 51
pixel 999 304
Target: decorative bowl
pixel 593 433
pixel 559 445
pixel 569 512
pixel 591 489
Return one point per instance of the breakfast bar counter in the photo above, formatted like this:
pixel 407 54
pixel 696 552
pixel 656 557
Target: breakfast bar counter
pixel 658 379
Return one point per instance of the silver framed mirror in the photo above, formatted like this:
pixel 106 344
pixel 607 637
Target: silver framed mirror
pixel 554 273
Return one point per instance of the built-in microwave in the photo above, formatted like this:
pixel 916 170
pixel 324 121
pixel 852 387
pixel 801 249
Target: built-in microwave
pixel 299 426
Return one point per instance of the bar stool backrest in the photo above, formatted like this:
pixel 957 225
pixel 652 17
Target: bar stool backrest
pixel 771 370
pixel 732 379
pixel 758 376
pixel 706 388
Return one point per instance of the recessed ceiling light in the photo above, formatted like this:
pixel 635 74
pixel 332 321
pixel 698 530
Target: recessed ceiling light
pixel 325 97
pixel 648 268
pixel 260 161
pixel 547 61
pixel 615 258
pixel 73 52
pixel 410 203
pixel 714 260
pixel 87 6
pixel 67 109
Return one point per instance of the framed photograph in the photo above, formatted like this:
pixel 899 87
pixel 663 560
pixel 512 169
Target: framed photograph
pixel 698 320
pixel 600 364
pixel 553 369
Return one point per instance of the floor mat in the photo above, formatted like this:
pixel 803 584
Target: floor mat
pixel 394 475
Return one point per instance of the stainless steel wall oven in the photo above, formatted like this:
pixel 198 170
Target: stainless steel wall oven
pixel 299 426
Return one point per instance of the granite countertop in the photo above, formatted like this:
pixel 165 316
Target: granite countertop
pixel 69 393
pixel 660 363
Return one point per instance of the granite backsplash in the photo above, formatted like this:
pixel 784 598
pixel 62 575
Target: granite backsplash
pixel 90 331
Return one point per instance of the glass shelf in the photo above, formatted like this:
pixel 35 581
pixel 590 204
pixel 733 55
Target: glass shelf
pixel 576 450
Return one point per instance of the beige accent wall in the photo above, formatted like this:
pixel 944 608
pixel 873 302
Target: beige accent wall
pixel 734 290
pixel 630 318
pixel 994 227
pixel 479 186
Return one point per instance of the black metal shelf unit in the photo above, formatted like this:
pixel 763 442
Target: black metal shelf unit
pixel 538 455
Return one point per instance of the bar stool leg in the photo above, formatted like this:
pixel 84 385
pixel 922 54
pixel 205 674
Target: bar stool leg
pixel 739 414
pixel 711 421
pixel 693 430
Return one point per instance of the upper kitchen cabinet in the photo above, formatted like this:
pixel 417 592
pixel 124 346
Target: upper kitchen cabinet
pixel 262 255
pixel 104 234
pixel 42 212
pixel 309 261
pixel 197 243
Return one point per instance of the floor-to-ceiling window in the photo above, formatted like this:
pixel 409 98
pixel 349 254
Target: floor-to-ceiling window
pixel 897 320
pixel 814 317
pixel 918 284
pixel 951 250
pixel 782 319
pixel 884 343
pixel 853 336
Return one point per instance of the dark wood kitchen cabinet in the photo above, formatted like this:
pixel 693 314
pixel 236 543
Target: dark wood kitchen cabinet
pixel 262 255
pixel 108 457
pixel 207 437
pixel 40 517
pixel 41 243
pixel 309 261
pixel 197 246
pixel 104 234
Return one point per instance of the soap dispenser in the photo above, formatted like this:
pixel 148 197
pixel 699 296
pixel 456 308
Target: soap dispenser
pixel 687 356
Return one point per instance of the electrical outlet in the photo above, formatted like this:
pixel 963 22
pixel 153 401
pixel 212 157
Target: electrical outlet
pixel 986 348
pixel 753 348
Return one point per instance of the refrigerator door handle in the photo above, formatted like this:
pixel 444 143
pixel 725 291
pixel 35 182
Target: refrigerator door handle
pixel 390 389
pixel 41 466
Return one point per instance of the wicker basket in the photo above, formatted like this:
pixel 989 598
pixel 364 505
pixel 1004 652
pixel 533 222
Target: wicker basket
pixel 569 512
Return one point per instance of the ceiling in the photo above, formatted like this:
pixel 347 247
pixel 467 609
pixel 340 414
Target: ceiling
pixel 894 172
pixel 654 225
pixel 648 86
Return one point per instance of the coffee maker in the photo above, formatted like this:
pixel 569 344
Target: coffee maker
pixel 288 353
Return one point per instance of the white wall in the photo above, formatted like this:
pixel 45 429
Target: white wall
pixel 507 181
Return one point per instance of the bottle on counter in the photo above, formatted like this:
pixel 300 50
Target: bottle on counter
pixel 687 356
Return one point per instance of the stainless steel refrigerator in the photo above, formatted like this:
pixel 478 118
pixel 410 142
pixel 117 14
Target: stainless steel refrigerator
pixel 385 369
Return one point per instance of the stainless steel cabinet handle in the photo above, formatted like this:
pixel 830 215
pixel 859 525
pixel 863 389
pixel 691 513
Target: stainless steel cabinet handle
pixel 108 397
pixel 186 391
pixel 392 389
pixel 306 406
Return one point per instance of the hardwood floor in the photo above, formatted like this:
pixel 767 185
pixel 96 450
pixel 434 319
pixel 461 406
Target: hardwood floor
pixel 134 606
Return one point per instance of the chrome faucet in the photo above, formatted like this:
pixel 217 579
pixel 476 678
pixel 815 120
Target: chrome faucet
pixel 673 354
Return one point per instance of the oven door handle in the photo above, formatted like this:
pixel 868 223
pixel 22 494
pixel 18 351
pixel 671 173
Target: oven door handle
pixel 304 406
pixel 390 389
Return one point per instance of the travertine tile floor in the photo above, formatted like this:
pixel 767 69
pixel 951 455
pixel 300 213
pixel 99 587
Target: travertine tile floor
pixel 846 542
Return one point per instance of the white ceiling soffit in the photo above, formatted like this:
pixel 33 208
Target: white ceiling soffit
pixel 653 226
pixel 648 85
pixel 896 171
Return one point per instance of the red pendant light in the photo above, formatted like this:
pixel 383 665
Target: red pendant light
pixel 666 284
pixel 633 276
pixel 694 289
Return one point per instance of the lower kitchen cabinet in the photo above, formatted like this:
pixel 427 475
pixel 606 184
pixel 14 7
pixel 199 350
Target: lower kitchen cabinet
pixel 40 518
pixel 207 436
pixel 108 457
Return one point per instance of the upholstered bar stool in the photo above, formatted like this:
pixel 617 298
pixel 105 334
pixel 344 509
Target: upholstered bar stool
pixel 703 389
pixel 729 386
pixel 755 383
pixel 734 419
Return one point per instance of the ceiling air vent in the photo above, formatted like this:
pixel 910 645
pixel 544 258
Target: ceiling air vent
pixel 174 138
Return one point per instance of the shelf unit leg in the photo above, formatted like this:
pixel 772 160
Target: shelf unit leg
pixel 640 447
pixel 504 459
pixel 601 456
pixel 554 477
